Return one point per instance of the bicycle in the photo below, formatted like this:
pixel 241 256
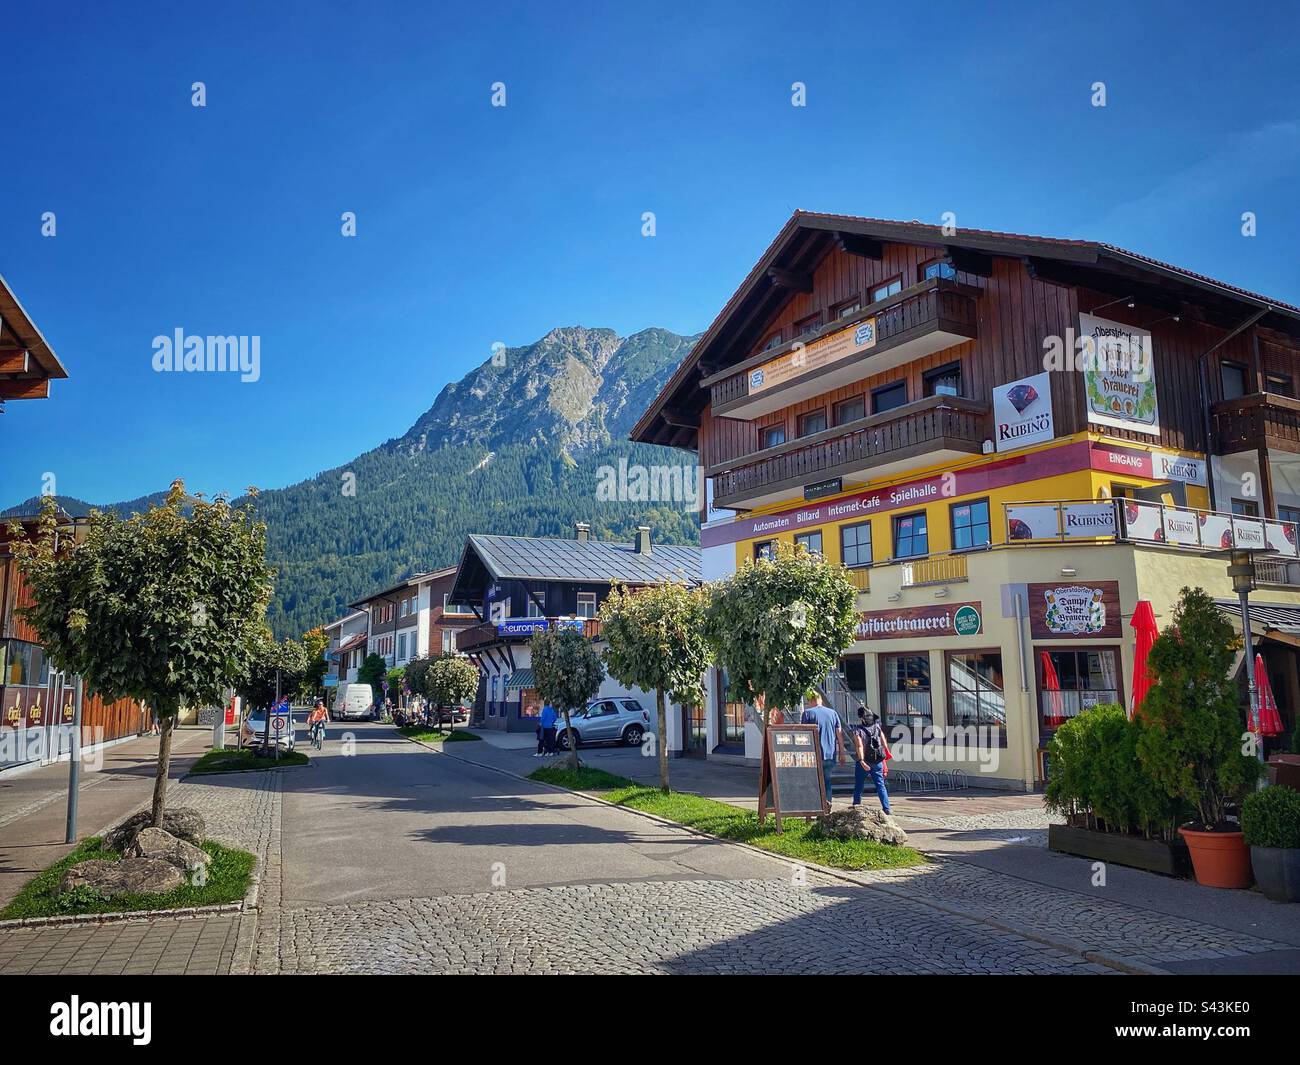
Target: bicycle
pixel 318 735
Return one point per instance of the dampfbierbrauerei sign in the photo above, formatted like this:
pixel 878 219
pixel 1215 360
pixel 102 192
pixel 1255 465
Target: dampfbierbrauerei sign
pixel 790 783
pixel 953 619
pixel 1087 610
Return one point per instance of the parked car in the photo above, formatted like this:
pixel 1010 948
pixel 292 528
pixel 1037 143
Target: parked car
pixel 252 731
pixel 354 702
pixel 615 720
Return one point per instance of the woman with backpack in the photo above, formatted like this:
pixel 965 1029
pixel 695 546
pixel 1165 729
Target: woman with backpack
pixel 870 752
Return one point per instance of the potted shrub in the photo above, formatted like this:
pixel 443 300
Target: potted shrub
pixel 1192 740
pixel 1270 822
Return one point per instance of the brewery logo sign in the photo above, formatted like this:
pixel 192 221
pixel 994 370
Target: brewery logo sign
pixel 1079 611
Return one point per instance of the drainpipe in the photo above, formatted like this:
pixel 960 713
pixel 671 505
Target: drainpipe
pixel 1026 703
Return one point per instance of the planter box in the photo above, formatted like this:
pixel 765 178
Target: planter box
pixel 1277 872
pixel 1153 855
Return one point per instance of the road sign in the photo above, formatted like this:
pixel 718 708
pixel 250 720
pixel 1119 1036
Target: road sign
pixel 279 723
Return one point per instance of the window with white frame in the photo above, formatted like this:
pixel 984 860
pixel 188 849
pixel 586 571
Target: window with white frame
pixel 586 604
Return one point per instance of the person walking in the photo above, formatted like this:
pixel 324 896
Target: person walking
pixel 830 736
pixel 548 719
pixel 869 752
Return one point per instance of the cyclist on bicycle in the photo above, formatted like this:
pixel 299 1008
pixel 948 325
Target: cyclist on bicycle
pixel 316 721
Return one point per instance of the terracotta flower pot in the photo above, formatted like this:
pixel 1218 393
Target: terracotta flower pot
pixel 1219 859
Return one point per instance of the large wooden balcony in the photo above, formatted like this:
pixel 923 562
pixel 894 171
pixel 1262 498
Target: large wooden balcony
pixel 923 319
pixel 1260 420
pixel 937 429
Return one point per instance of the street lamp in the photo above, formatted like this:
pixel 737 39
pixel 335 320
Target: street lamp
pixel 1241 568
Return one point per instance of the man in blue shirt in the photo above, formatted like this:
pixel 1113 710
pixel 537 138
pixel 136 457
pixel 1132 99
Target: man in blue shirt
pixel 549 716
pixel 830 735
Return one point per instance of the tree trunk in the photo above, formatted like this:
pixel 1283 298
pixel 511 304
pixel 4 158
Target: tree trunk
pixel 573 743
pixel 165 725
pixel 663 740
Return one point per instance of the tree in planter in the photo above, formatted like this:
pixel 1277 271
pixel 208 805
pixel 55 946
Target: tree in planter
pixel 1191 740
pixel 779 625
pixel 568 672
pixel 655 641
pixel 395 677
pixel 315 643
pixel 274 666
pixel 165 607
pixel 449 681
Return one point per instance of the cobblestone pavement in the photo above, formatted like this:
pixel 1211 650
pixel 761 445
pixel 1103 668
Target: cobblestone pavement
pixel 700 927
pixel 241 810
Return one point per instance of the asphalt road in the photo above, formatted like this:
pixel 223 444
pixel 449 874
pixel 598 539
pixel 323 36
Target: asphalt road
pixel 392 820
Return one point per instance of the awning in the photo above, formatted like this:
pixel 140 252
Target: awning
pixel 521 678
pixel 355 640
pixel 1264 617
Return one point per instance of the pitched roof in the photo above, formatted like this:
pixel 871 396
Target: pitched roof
pixel 600 561
pixel 808 236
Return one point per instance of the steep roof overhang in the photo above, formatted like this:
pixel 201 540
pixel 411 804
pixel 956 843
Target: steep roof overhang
pixel 807 238
pixel 27 362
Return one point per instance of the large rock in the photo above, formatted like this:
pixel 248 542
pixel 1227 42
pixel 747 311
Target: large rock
pixel 130 876
pixel 155 843
pixel 183 822
pixel 858 822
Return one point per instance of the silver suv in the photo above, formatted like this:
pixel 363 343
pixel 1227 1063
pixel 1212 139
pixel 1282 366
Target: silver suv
pixel 614 720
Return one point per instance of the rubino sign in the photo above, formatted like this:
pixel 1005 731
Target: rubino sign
pixel 1079 611
pixel 823 352
pixel 1022 412
pixel 952 619
pixel 1057 521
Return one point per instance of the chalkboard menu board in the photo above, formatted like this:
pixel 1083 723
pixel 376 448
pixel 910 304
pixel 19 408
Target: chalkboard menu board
pixel 791 782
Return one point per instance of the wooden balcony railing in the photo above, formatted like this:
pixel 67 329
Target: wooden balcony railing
pixel 937 304
pixel 476 636
pixel 1258 420
pixel 930 424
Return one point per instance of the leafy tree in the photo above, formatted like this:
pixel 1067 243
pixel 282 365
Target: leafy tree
pixel 449 681
pixel 1193 739
pixel 569 673
pixel 655 641
pixel 372 672
pixel 315 643
pixel 395 676
pixel 165 607
pixel 274 667
pixel 416 675
pixel 779 625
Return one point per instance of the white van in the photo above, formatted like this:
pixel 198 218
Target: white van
pixel 353 701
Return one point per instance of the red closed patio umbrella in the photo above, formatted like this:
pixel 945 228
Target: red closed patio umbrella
pixel 1270 721
pixel 1054 711
pixel 1145 631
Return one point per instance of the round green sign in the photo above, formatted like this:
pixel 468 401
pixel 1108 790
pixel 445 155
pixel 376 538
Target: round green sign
pixel 967 621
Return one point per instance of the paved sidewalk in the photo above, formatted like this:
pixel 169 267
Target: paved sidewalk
pixel 997 863
pixel 34 810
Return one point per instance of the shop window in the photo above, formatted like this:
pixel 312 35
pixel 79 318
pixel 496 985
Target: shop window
pixel 970 524
pixel 1232 375
pixel 937 268
pixel 889 397
pixel 23 663
pixel 1280 384
pixel 911 535
pixel 586 604
pixel 1072 681
pixel 772 435
pixel 765 549
pixel 944 381
pixel 887 289
pixel 905 684
pixel 812 422
pixel 731 714
pixel 854 668
pixel 850 410
pixel 855 544
pixel 810 542
pixel 975 691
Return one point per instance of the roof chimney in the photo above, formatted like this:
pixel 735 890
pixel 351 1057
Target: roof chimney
pixel 643 539
pixel 581 531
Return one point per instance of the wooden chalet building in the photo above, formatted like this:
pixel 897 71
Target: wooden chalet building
pixel 27 362
pixel 914 404
pixel 518 585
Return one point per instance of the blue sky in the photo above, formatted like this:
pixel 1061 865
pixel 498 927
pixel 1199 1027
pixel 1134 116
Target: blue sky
pixel 478 224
